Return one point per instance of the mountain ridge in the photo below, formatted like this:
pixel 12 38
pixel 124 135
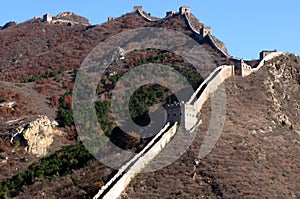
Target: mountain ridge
pixel 257 154
pixel 35 41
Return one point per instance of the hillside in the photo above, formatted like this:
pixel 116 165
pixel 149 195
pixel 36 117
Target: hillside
pixel 256 156
pixel 35 47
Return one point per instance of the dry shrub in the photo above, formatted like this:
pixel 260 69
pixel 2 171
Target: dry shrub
pixel 20 106
pixel 54 100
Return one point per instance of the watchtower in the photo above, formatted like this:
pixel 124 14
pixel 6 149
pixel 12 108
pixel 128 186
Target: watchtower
pixel 264 53
pixel 205 30
pixel 190 116
pixel 47 18
pixel 111 18
pixel 173 112
pixel 170 13
pixel 136 8
pixel 241 68
pixel 184 10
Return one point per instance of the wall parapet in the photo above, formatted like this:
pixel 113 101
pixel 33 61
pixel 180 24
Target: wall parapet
pixel 202 36
pixel 146 17
pixel 136 164
pixel 190 24
pixel 268 58
pixel 192 108
pixel 225 72
pixel 216 46
pixel 203 84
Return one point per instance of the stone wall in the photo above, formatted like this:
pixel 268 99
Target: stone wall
pixel 190 25
pixel 212 86
pixel 121 180
pixel 185 11
pixel 211 75
pixel 66 18
pixel 206 31
pixel 267 58
pixel 191 119
pixel 191 110
pixel 214 43
pixel 241 68
pixel 140 11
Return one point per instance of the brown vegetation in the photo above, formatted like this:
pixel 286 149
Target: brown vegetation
pixel 255 157
pixel 35 47
pixel 19 107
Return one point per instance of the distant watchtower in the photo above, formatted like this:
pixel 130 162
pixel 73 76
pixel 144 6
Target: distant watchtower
pixel 136 8
pixel 205 30
pixel 171 13
pixel 264 53
pixel 184 10
pixel 241 68
pixel 47 18
pixel 111 18
pixel 173 112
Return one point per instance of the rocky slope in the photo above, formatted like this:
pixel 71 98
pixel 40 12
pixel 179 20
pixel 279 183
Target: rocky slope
pixel 35 47
pixel 42 55
pixel 37 135
pixel 256 156
pixel 258 153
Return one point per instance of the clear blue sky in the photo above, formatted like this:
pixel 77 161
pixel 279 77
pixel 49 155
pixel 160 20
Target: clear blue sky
pixel 246 27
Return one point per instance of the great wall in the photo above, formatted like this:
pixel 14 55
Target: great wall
pixel 190 111
pixel 61 18
pixel 185 11
pixel 125 174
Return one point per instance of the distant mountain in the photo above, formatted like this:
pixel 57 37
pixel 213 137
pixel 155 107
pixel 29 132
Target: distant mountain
pixel 257 155
pixel 36 46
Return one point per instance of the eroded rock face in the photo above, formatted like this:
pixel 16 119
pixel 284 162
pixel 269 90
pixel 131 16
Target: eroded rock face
pixel 37 135
pixel 282 85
